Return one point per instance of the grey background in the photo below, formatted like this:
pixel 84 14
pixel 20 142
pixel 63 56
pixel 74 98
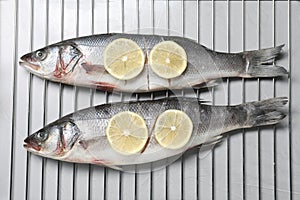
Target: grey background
pixel 254 164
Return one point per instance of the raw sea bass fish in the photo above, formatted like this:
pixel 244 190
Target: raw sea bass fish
pixel 80 62
pixel 81 136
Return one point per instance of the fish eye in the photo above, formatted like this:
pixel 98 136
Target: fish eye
pixel 42 136
pixel 40 55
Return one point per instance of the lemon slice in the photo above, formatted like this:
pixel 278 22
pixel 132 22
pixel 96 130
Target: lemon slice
pixel 123 59
pixel 173 129
pixel 127 132
pixel 168 59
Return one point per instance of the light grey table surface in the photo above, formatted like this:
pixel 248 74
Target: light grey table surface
pixel 247 165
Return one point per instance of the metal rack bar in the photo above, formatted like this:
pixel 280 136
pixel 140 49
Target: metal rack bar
pixel 138 15
pixel 45 91
pixel 168 16
pixel 44 161
pixel 243 101
pixel 167 167
pixel 28 131
pixel 105 171
pixel 137 95
pixel 59 164
pixel 290 135
pixel 121 97
pixel 152 98
pixel 122 16
pixel 106 101
pixel 120 172
pixel 182 158
pixel 28 160
pixel 259 94
pixel 152 17
pixel 213 101
pixel 14 89
pixel 167 92
pixel 107 16
pixel 75 166
pixel 92 96
pixel 274 95
pixel 61 88
pixel 150 172
pixel 90 170
pixel 198 96
pixel 228 102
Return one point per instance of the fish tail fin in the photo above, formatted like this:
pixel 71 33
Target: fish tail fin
pixel 259 63
pixel 266 112
pixel 263 56
pixel 264 71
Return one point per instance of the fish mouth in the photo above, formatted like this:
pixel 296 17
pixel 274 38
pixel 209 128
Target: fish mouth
pixel 31 67
pixel 30 145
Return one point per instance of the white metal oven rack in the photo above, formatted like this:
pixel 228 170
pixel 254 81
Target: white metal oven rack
pixel 250 164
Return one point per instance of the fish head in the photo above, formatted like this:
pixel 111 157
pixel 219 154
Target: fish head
pixel 52 62
pixel 53 141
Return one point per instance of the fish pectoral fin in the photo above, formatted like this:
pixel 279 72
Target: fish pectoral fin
pixel 90 68
pixel 106 164
pixel 86 142
pixel 85 145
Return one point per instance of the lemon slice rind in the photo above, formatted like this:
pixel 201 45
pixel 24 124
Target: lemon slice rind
pixel 173 129
pixel 123 59
pixel 127 133
pixel 168 59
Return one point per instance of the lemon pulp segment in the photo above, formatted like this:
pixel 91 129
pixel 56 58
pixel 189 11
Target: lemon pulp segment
pixel 173 129
pixel 123 59
pixel 168 59
pixel 127 132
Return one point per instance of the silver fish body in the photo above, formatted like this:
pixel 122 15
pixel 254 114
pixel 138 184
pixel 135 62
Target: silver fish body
pixel 81 137
pixel 79 62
